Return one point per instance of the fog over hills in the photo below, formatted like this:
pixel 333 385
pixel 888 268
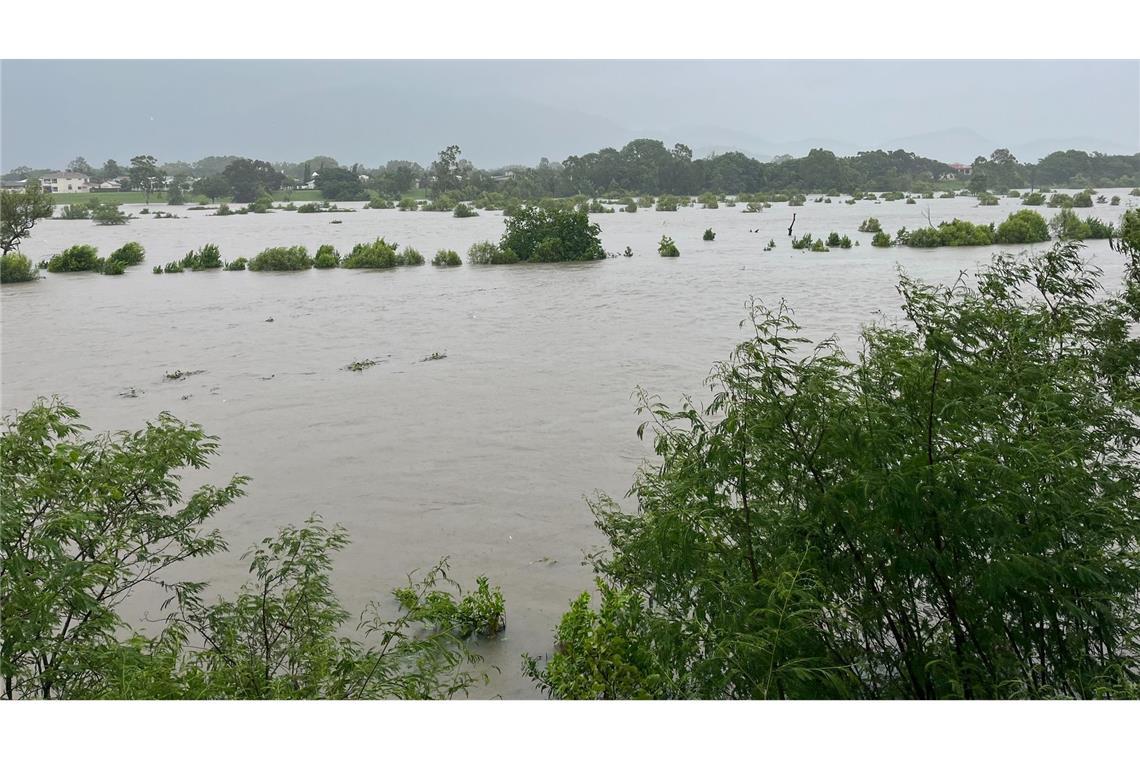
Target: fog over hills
pixel 516 112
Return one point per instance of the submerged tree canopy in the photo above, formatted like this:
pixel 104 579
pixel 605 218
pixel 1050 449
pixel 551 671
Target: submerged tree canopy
pixel 551 234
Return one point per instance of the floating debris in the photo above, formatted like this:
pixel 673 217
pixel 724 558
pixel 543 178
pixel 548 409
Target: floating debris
pixel 335 221
pixel 268 378
pixel 131 393
pixel 180 374
pixel 434 357
pixel 269 320
pixel 360 366
pixel 188 395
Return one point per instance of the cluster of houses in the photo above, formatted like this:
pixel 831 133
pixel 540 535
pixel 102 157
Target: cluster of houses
pixel 69 182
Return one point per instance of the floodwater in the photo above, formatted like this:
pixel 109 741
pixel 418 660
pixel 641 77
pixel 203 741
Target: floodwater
pixel 485 456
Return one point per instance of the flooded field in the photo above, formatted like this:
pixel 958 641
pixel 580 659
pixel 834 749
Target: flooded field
pixel 485 456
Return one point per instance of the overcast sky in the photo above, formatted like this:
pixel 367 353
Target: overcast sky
pixel 503 112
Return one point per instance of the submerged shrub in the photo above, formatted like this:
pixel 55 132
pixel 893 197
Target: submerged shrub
pixel 1033 199
pixel 881 240
pixel 666 203
pixel 379 202
pixel 1025 226
pixel 77 258
pixel 709 235
pixel 379 254
pixel 408 204
pixel 206 257
pixel 113 267
pixel 952 233
pixel 174 267
pixel 108 214
pixel 129 253
pixel 551 234
pixel 871 224
pixel 326 258
pixel 75 212
pixel 667 247
pixel 409 258
pixel 445 258
pixel 487 252
pixel 281 259
pixel 16 267
pixel 237 265
pixel 463 211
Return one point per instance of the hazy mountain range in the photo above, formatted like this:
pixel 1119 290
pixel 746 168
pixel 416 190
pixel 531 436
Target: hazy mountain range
pixel 516 112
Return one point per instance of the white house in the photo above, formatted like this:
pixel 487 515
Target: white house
pixel 65 182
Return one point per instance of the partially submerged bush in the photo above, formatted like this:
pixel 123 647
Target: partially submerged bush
pixel 108 214
pixel 709 235
pixel 881 240
pixel 379 202
pixel 667 248
pixel 445 258
pixel 129 253
pixel 206 257
pixel 537 234
pixel 1025 226
pixel 281 259
pixel 326 258
pixel 113 267
pixel 487 252
pixel 1033 199
pixel 237 265
pixel 77 258
pixel 870 224
pixel 410 257
pixel 16 267
pixel 463 211
pixel 953 233
pixel 379 254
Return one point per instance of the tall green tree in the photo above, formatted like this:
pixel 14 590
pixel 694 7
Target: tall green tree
pixel 445 171
pixel 19 212
pixel 146 176
pixel 249 179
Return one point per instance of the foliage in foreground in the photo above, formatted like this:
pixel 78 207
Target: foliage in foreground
pixel 953 513
pixel 87 521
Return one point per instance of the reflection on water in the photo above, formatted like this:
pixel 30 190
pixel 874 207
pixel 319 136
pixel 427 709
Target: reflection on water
pixel 485 456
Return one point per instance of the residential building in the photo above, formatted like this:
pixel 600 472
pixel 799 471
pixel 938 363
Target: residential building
pixel 65 182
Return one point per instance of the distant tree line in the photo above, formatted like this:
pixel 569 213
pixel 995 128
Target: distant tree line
pixel 643 166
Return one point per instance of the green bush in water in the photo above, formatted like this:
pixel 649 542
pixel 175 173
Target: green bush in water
pixel 881 240
pixel 16 267
pixel 379 254
pixel 1025 226
pixel 487 252
pixel 237 265
pixel 446 258
pixel 870 224
pixel 410 258
pixel 77 258
pixel 667 247
pixel 130 254
pixel 326 258
pixel 709 235
pixel 206 257
pixel 113 267
pixel 281 259
pixel 463 211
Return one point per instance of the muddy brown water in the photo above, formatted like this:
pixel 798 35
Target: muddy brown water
pixel 485 456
